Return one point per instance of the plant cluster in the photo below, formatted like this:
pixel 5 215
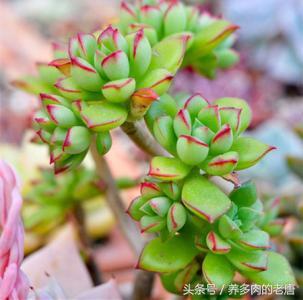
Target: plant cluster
pixel 201 229
pixel 121 74
pixel 99 81
pixel 50 200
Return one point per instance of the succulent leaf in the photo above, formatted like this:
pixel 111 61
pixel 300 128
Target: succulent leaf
pixel 278 272
pixel 150 189
pixel 103 116
pixel 85 75
pixel 160 205
pixel 216 244
pixel 141 100
pixel 194 104
pixel 182 123
pixel 228 228
pixel 250 261
pixel 222 141
pixel 204 199
pixel 191 150
pixel 244 195
pixel 169 52
pixel 152 223
pixel 119 90
pixel 217 270
pixel 103 142
pixel 171 190
pixel 61 115
pixel 134 208
pixel 176 217
pixel 210 117
pixel 169 256
pixel 159 80
pixel 254 239
pixel 163 130
pixel 222 164
pixel 174 18
pixel 140 54
pixel 168 169
pixel 116 65
pixel 245 115
pixel 77 140
pixel 250 151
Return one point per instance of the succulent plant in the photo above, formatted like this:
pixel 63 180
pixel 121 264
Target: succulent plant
pixel 206 232
pixel 50 199
pixel 114 77
pixel 209 48
pixel 104 79
pixel 204 135
pixel 122 74
pixel 201 230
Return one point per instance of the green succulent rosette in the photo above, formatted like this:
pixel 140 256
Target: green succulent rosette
pixel 206 236
pixel 102 81
pixel 50 198
pixel 203 135
pixel 212 37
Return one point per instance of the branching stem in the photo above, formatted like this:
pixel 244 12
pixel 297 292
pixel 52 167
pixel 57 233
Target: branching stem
pixel 114 200
pixel 139 134
pixel 144 280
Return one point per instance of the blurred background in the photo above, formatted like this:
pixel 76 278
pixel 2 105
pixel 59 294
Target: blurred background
pixel 269 76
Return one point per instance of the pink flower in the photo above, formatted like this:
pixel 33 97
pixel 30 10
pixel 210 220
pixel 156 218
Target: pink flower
pixel 13 282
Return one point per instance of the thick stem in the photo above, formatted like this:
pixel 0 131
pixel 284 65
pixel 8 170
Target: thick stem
pixel 139 134
pixel 143 285
pixel 77 218
pixel 144 280
pixel 127 226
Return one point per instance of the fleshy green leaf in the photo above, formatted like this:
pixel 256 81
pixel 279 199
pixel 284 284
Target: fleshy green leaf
pixel 168 168
pixel 228 228
pixel 250 151
pixel 210 117
pixel 160 205
pixel 119 90
pixel 278 272
pixel 209 37
pixel 152 224
pixel 191 150
pixel 222 141
pixel 217 270
pixel 103 142
pixel 216 244
pixel 254 239
pixel 204 198
pixel 168 256
pixel 164 133
pixel 222 164
pixel 245 115
pixel 251 261
pixel 245 195
pixel 134 208
pixel 169 52
pixel 176 217
pixel 103 116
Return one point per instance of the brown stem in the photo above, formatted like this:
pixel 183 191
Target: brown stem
pixel 143 285
pixel 144 280
pixel 77 218
pixel 127 226
pixel 139 134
